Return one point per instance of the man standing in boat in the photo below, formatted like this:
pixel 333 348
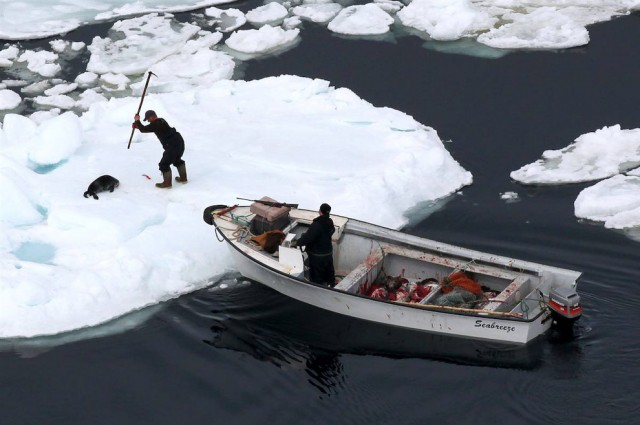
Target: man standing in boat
pixel 317 240
pixel 172 143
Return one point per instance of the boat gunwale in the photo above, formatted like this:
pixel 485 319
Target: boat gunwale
pixel 421 307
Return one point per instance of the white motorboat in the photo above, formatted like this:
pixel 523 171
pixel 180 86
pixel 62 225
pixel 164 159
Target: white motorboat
pixel 399 280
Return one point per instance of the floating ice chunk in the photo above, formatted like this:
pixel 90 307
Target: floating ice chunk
pixel 509 196
pixel 88 98
pixel 11 52
pixel 87 79
pixel 291 22
pixel 136 44
pixel 14 83
pixel 272 12
pixel 114 82
pixel 37 87
pixel 61 101
pixel 593 156
pixel 205 39
pixel 139 7
pixel 282 128
pixel 9 99
pixel 317 12
pixel 195 66
pixel 634 172
pixel 8 55
pixel 77 45
pixel 544 28
pixel 59 46
pixel 41 62
pixel 368 19
pixel 263 40
pixel 446 19
pixel 67 48
pixel 227 20
pixel 61 89
pixel 614 201
pixel 39 117
pixel 22 20
pixel 389 6
pixel 40 19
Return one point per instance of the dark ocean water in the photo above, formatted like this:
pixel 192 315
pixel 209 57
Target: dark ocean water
pixel 239 353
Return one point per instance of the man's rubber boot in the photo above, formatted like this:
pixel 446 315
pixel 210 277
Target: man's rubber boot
pixel 166 184
pixel 182 171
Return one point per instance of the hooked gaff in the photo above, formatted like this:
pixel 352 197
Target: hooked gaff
pixel 140 105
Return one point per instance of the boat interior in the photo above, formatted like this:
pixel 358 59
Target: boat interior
pixel 364 263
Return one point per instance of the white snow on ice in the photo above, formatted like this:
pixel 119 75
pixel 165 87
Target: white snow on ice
pixel 317 12
pixel 138 245
pixel 272 12
pixel 508 24
pixel 263 40
pixel 368 19
pixel 446 19
pixel 510 197
pixel 614 201
pixel 603 154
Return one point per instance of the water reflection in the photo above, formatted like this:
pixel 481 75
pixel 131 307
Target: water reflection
pixel 270 327
pixel 567 354
pixel 324 369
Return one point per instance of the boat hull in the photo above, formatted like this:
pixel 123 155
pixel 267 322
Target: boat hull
pixel 487 327
pixel 513 306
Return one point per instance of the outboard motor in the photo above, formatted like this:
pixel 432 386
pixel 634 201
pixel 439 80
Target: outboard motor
pixel 565 306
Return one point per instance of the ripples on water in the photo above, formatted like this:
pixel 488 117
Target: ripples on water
pixel 350 364
pixel 375 375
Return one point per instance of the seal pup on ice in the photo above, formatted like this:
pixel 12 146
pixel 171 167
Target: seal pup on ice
pixel 102 184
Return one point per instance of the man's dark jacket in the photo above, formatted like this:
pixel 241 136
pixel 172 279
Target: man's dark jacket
pixel 317 239
pixel 167 135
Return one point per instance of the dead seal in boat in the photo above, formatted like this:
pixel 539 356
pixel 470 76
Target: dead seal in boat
pixel 102 184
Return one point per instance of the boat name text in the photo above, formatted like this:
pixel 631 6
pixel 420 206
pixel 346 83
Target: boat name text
pixel 493 325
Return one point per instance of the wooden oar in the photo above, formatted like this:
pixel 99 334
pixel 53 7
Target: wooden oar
pixel 467 310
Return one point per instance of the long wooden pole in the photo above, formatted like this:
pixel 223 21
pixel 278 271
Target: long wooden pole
pixel 466 310
pixel 140 105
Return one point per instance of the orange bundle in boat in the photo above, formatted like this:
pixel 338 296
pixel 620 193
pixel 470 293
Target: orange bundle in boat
pixel 270 240
pixel 463 281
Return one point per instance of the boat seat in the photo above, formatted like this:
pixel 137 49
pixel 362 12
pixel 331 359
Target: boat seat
pixel 365 272
pixel 513 293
